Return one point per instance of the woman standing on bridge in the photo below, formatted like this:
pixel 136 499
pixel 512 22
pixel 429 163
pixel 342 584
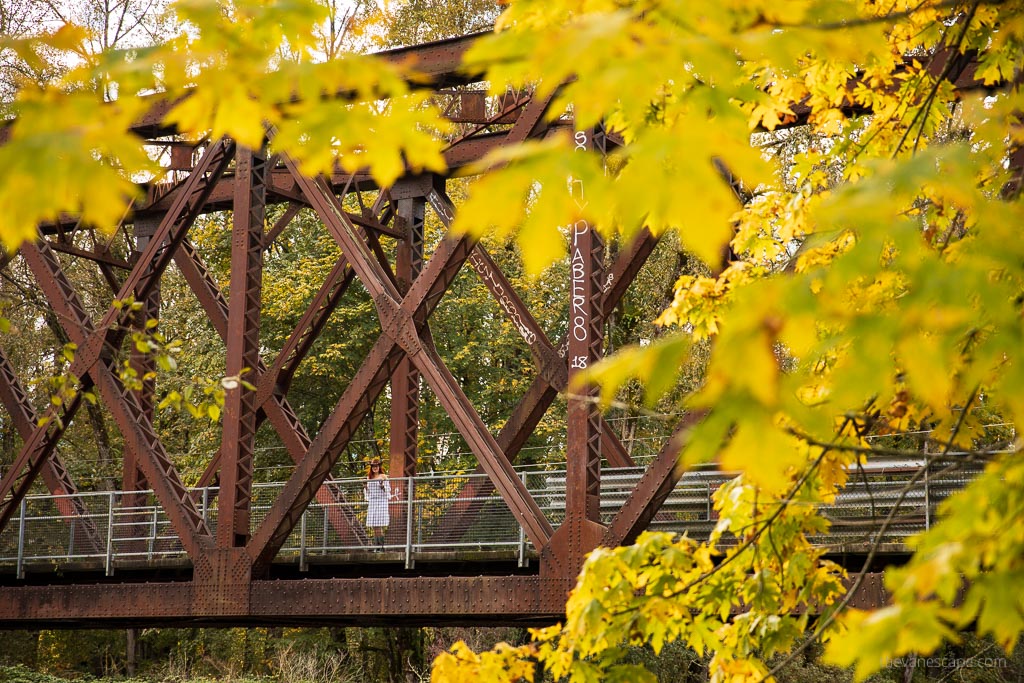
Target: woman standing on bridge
pixel 377 494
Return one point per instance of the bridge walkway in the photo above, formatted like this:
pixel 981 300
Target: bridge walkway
pixel 136 535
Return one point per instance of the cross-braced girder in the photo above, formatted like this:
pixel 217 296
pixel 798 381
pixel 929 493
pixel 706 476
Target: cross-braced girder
pixel 383 250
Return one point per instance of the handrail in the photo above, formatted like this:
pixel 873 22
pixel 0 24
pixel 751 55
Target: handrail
pixel 137 536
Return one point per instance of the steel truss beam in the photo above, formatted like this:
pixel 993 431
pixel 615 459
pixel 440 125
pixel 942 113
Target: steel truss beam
pixel 223 586
pixel 243 348
pixel 55 474
pixel 394 601
pixel 551 364
pixel 270 400
pixel 539 396
pixel 582 529
pixel 655 484
pixel 403 320
pixel 96 354
pixel 405 390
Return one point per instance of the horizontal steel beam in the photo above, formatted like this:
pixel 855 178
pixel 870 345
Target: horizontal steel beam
pixel 385 601
pixel 358 601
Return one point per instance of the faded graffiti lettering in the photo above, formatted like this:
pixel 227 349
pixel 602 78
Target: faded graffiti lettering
pixel 506 302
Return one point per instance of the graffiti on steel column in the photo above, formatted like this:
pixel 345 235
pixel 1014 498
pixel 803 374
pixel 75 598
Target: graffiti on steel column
pixel 579 317
pixel 442 208
pixel 579 322
pixel 486 274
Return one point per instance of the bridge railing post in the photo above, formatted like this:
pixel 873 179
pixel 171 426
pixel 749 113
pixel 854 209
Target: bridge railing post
pixel 326 530
pixel 409 510
pixel 927 496
pixel 707 499
pixel 110 534
pixel 522 532
pixel 71 537
pixel 21 541
pixel 152 531
pixel 303 565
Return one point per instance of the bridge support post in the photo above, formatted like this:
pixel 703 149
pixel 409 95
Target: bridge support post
pixel 582 530
pixel 243 349
pixel 410 199
pixel 222 583
pixel 132 478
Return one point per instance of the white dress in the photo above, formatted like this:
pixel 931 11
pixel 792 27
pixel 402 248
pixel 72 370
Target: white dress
pixel 377 493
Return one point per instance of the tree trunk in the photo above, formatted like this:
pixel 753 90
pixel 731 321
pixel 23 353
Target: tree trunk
pixel 131 640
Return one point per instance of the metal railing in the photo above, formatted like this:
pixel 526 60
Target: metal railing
pixel 135 533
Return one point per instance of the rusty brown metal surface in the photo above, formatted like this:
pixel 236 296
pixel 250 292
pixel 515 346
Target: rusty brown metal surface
pixel 243 349
pixel 405 391
pixel 97 256
pixel 582 529
pixel 654 486
pixel 403 320
pixel 96 352
pixel 394 601
pixel 129 415
pixel 358 601
pixel 270 400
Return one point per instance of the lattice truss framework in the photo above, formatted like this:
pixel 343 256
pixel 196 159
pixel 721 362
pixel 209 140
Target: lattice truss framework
pixel 231 579
pixel 231 566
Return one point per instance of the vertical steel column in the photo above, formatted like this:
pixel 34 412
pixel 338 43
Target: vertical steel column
pixel 584 419
pixel 142 364
pixel 405 381
pixel 586 318
pixel 242 348
pixel 581 530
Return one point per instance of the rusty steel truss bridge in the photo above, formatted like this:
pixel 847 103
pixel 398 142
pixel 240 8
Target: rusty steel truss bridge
pixel 231 552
